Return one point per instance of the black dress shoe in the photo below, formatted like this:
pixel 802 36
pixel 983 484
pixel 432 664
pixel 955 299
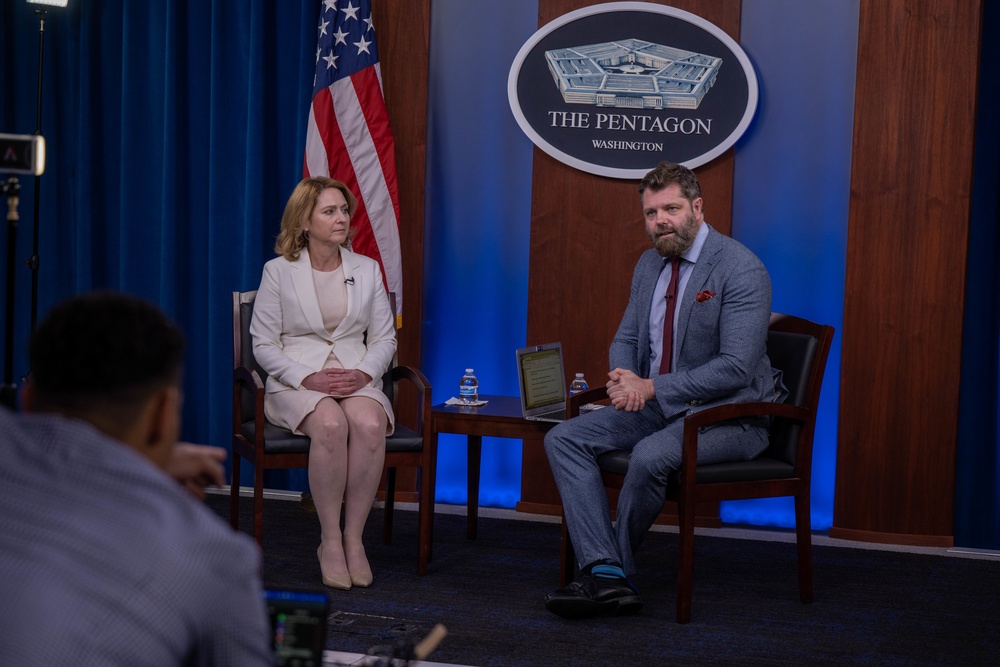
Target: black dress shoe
pixel 594 596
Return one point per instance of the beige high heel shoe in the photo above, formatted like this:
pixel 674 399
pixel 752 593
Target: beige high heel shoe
pixel 361 578
pixel 341 582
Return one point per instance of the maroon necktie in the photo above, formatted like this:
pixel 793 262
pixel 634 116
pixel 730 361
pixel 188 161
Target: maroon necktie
pixel 668 317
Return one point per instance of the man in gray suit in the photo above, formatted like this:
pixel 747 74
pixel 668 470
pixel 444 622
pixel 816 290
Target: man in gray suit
pixel 693 336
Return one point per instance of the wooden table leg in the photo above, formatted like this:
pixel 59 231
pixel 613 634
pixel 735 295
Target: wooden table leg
pixel 475 445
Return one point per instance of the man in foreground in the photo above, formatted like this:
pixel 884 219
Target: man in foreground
pixel 693 336
pixel 107 557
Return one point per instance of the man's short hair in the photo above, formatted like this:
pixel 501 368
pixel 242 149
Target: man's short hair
pixel 666 174
pixel 103 353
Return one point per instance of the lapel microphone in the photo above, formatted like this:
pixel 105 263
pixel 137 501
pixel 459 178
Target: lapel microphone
pixel 349 281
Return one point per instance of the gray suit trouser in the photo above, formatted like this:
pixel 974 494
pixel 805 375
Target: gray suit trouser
pixel 574 445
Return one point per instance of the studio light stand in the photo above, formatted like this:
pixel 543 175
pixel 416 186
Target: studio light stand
pixel 32 261
pixel 23 154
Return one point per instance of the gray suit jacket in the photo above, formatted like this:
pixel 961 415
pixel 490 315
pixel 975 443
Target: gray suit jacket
pixel 721 339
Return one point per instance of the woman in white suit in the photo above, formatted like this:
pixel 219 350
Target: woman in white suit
pixel 314 306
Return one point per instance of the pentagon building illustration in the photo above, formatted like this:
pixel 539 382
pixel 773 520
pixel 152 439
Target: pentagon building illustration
pixel 632 73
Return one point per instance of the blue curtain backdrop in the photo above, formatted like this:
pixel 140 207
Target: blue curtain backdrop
pixel 175 132
pixel 977 483
pixel 791 190
pixel 477 226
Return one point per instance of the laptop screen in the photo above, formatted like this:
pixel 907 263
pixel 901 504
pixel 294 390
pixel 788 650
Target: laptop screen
pixel 540 371
pixel 298 623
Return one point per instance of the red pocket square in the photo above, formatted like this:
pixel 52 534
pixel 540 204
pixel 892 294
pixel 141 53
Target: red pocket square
pixel 704 296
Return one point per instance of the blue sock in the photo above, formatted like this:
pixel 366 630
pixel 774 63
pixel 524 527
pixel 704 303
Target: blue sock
pixel 607 571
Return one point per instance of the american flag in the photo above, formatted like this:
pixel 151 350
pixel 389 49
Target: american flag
pixel 348 137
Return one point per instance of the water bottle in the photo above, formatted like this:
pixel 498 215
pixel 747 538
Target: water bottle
pixel 577 385
pixel 468 387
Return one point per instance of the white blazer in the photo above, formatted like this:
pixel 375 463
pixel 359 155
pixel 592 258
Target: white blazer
pixel 289 339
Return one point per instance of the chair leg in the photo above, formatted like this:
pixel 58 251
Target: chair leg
pixel 258 504
pixel 425 508
pixel 567 555
pixel 803 539
pixel 390 502
pixel 427 482
pixel 234 493
pixel 685 558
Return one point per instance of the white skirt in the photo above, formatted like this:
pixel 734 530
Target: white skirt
pixel 289 407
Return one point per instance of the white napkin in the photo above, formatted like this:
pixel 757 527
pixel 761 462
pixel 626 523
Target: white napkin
pixel 471 404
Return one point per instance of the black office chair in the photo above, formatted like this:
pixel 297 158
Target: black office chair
pixel 268 446
pixel 799 348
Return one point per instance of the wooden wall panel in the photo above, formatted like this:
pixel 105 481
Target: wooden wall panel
pixel 404 50
pixel 586 235
pixel 907 241
pixel 403 29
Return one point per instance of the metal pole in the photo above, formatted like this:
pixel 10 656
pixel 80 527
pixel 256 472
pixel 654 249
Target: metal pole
pixel 8 393
pixel 32 262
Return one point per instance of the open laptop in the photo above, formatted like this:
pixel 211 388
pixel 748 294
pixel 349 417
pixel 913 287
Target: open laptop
pixel 542 382
pixel 299 625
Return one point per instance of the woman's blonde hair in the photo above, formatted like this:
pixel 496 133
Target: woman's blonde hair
pixel 293 237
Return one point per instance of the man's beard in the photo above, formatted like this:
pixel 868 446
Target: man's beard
pixel 675 244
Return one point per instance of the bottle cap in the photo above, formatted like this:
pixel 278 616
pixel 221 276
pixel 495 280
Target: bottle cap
pixel 579 375
pixel 468 370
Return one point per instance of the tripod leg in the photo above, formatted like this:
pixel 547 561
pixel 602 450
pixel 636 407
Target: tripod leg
pixel 8 394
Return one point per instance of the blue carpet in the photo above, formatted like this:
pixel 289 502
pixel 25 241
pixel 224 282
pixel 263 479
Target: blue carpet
pixel 871 607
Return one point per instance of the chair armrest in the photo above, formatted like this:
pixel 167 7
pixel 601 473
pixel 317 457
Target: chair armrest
pixel 729 411
pixel 413 375
pixel 578 400
pixel 248 377
pixel 694 422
